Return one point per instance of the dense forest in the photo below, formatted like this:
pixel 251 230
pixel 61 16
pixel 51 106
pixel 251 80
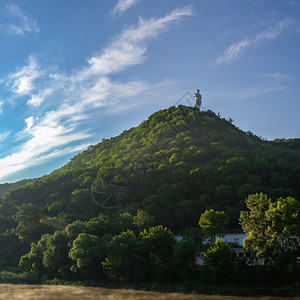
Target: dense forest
pixel 157 177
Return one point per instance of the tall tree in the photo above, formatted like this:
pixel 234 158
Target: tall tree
pixel 273 229
pixel 85 253
pixel 120 263
pixel 213 223
pixel 254 224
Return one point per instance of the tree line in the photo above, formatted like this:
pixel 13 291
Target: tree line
pixel 128 249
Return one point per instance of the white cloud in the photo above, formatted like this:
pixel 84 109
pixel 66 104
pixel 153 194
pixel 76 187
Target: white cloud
pixel 24 159
pixel 22 81
pixel 1 105
pixel 44 142
pixel 273 32
pixel 270 34
pixel 233 51
pixel 22 24
pixel 77 94
pixel 128 49
pixel 123 5
pixel 29 122
pixel 37 99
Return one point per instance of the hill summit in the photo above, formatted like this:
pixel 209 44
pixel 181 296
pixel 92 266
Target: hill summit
pixel 174 165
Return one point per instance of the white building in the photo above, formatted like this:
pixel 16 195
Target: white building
pixel 235 238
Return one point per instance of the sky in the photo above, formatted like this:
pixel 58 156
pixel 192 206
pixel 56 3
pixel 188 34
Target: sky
pixel 73 72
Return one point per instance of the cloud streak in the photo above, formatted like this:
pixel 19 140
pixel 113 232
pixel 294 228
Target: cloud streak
pixel 271 33
pixel 129 48
pixel 123 5
pixel 279 76
pixel 19 23
pixel 246 93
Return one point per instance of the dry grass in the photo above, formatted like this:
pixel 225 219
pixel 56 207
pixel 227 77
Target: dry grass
pixel 47 292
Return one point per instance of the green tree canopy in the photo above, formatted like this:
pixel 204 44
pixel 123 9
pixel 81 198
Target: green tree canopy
pixel 219 260
pixel 273 229
pixel 85 253
pixel 213 222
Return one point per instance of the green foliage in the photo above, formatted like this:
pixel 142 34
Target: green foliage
pixel 183 260
pixel 142 220
pixel 122 259
pixel 157 248
pixel 152 256
pixel 85 253
pixel 219 260
pixel 29 227
pixel 273 229
pixel 15 278
pixel 32 261
pixel 10 250
pixel 213 222
pixel 254 225
pixel 6 187
pixel 175 164
pixel 55 255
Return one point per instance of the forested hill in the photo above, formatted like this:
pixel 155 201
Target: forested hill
pixel 174 165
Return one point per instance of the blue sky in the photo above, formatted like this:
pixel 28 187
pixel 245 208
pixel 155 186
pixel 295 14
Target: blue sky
pixel 74 71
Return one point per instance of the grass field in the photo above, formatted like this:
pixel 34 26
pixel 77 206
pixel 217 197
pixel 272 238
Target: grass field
pixel 59 292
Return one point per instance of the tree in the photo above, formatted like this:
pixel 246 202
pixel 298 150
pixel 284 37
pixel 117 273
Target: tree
pixel 213 222
pixel 33 260
pixel 29 227
pixel 122 259
pixel 55 256
pixel 85 253
pixel 273 229
pixel 254 224
pixel 75 228
pixel 80 204
pixel 283 219
pixel 11 249
pixel 157 248
pixel 218 261
pixel 142 219
pixel 125 221
pixel 183 260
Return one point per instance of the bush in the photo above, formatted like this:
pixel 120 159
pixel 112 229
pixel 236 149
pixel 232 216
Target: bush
pixel 10 277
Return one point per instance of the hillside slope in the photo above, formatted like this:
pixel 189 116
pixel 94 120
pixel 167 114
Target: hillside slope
pixel 6 187
pixel 174 165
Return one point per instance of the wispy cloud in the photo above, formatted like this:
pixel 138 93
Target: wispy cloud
pixel 129 48
pixel 233 51
pixel 258 91
pixel 266 35
pixel 279 76
pixel 19 23
pixel 250 92
pixel 273 32
pixel 79 93
pixel 4 135
pixel 123 5
pixel 37 99
pixel 21 82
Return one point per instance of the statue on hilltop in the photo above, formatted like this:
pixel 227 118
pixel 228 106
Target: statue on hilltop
pixel 198 99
